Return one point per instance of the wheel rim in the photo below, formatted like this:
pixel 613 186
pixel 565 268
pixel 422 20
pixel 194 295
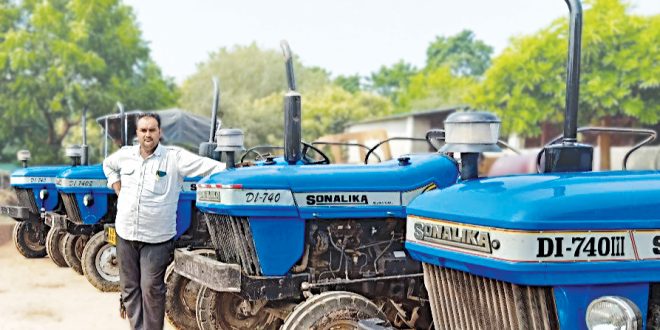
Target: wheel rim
pixel 233 312
pixel 188 295
pixel 341 325
pixel 31 237
pixel 106 263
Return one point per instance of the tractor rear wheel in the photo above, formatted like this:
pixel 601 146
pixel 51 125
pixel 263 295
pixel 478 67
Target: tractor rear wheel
pixel 99 264
pixel 181 297
pixel 29 240
pixel 332 310
pixel 72 248
pixel 53 246
pixel 225 310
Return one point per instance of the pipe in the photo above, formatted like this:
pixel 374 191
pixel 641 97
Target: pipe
pixel 214 109
pixel 573 71
pixel 292 112
pixel 122 124
pixel 85 149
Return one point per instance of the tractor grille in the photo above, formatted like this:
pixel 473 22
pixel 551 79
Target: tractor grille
pixel 233 241
pixel 26 199
pixel 461 300
pixel 71 207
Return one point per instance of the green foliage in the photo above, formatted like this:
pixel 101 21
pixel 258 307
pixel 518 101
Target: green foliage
pixel 434 88
pixel 324 111
pixel 620 72
pixel 60 55
pixel 246 73
pixel 465 55
pixel 349 83
pixel 388 81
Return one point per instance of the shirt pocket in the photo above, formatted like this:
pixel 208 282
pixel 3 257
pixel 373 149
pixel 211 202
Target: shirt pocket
pixel 156 184
pixel 127 175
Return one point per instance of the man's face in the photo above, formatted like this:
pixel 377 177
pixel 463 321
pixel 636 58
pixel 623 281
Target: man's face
pixel 148 133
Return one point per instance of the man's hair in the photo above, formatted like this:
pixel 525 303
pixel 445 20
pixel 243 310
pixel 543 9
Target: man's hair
pixel 148 114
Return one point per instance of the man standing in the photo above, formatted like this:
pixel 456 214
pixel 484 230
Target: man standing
pixel 149 177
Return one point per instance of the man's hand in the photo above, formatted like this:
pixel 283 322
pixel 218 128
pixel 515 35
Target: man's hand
pixel 116 187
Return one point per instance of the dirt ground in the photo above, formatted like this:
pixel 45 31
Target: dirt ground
pixel 36 294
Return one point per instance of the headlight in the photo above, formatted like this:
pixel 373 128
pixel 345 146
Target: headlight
pixel 43 194
pixel 611 312
pixel 88 200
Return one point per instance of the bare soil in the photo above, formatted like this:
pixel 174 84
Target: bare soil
pixel 36 294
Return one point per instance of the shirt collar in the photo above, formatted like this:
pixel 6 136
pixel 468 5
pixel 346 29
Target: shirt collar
pixel 157 153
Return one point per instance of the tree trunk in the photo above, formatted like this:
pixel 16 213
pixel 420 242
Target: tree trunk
pixel 604 145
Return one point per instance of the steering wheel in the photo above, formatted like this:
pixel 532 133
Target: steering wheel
pixel 255 149
pixel 311 161
pixel 371 151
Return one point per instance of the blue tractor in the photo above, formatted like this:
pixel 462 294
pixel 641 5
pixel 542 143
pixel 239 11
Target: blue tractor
pixel 304 246
pixel 567 248
pixel 38 199
pixel 36 193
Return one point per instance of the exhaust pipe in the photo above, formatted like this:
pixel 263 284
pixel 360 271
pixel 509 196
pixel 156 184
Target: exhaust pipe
pixel 292 111
pixel 84 160
pixel 123 124
pixel 570 156
pixel 208 149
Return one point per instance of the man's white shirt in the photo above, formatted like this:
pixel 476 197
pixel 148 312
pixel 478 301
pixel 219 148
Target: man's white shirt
pixel 147 203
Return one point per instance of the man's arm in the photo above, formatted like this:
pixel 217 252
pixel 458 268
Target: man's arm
pixel 190 164
pixel 111 170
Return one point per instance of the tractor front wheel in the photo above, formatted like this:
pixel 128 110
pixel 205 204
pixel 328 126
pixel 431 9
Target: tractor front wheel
pixel 225 310
pixel 53 241
pixel 99 264
pixel 181 297
pixel 332 310
pixel 72 248
pixel 28 239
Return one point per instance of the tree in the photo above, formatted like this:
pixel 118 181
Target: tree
pixel 246 73
pixel 620 75
pixel 465 55
pixel 350 83
pixel 59 56
pixel 435 88
pixel 324 111
pixel 387 81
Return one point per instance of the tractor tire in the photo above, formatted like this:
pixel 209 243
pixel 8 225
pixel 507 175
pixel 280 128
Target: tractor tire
pixel 53 241
pixel 99 264
pixel 28 240
pixel 221 310
pixel 72 248
pixel 332 310
pixel 181 297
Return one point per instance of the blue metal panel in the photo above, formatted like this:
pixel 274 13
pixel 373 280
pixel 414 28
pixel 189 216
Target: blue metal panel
pixel 560 273
pixel 93 214
pixel 572 301
pixel 386 176
pixel 594 200
pixel 279 243
pixel 49 203
pixel 183 216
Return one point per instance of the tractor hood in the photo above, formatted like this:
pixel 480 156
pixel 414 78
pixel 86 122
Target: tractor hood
pixel 594 200
pixel 544 229
pixel 38 175
pixel 326 191
pixel 83 178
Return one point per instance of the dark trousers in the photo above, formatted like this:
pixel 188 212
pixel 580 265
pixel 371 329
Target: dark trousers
pixel 142 280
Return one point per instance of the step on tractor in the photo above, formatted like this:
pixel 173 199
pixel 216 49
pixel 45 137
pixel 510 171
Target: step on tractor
pixel 300 243
pixel 566 248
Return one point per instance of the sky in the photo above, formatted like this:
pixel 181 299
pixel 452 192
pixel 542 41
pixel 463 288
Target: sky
pixel 343 36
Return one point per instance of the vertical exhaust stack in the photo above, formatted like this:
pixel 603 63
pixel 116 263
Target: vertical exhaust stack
pixel 85 148
pixel 207 149
pixel 570 156
pixel 123 124
pixel 292 111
